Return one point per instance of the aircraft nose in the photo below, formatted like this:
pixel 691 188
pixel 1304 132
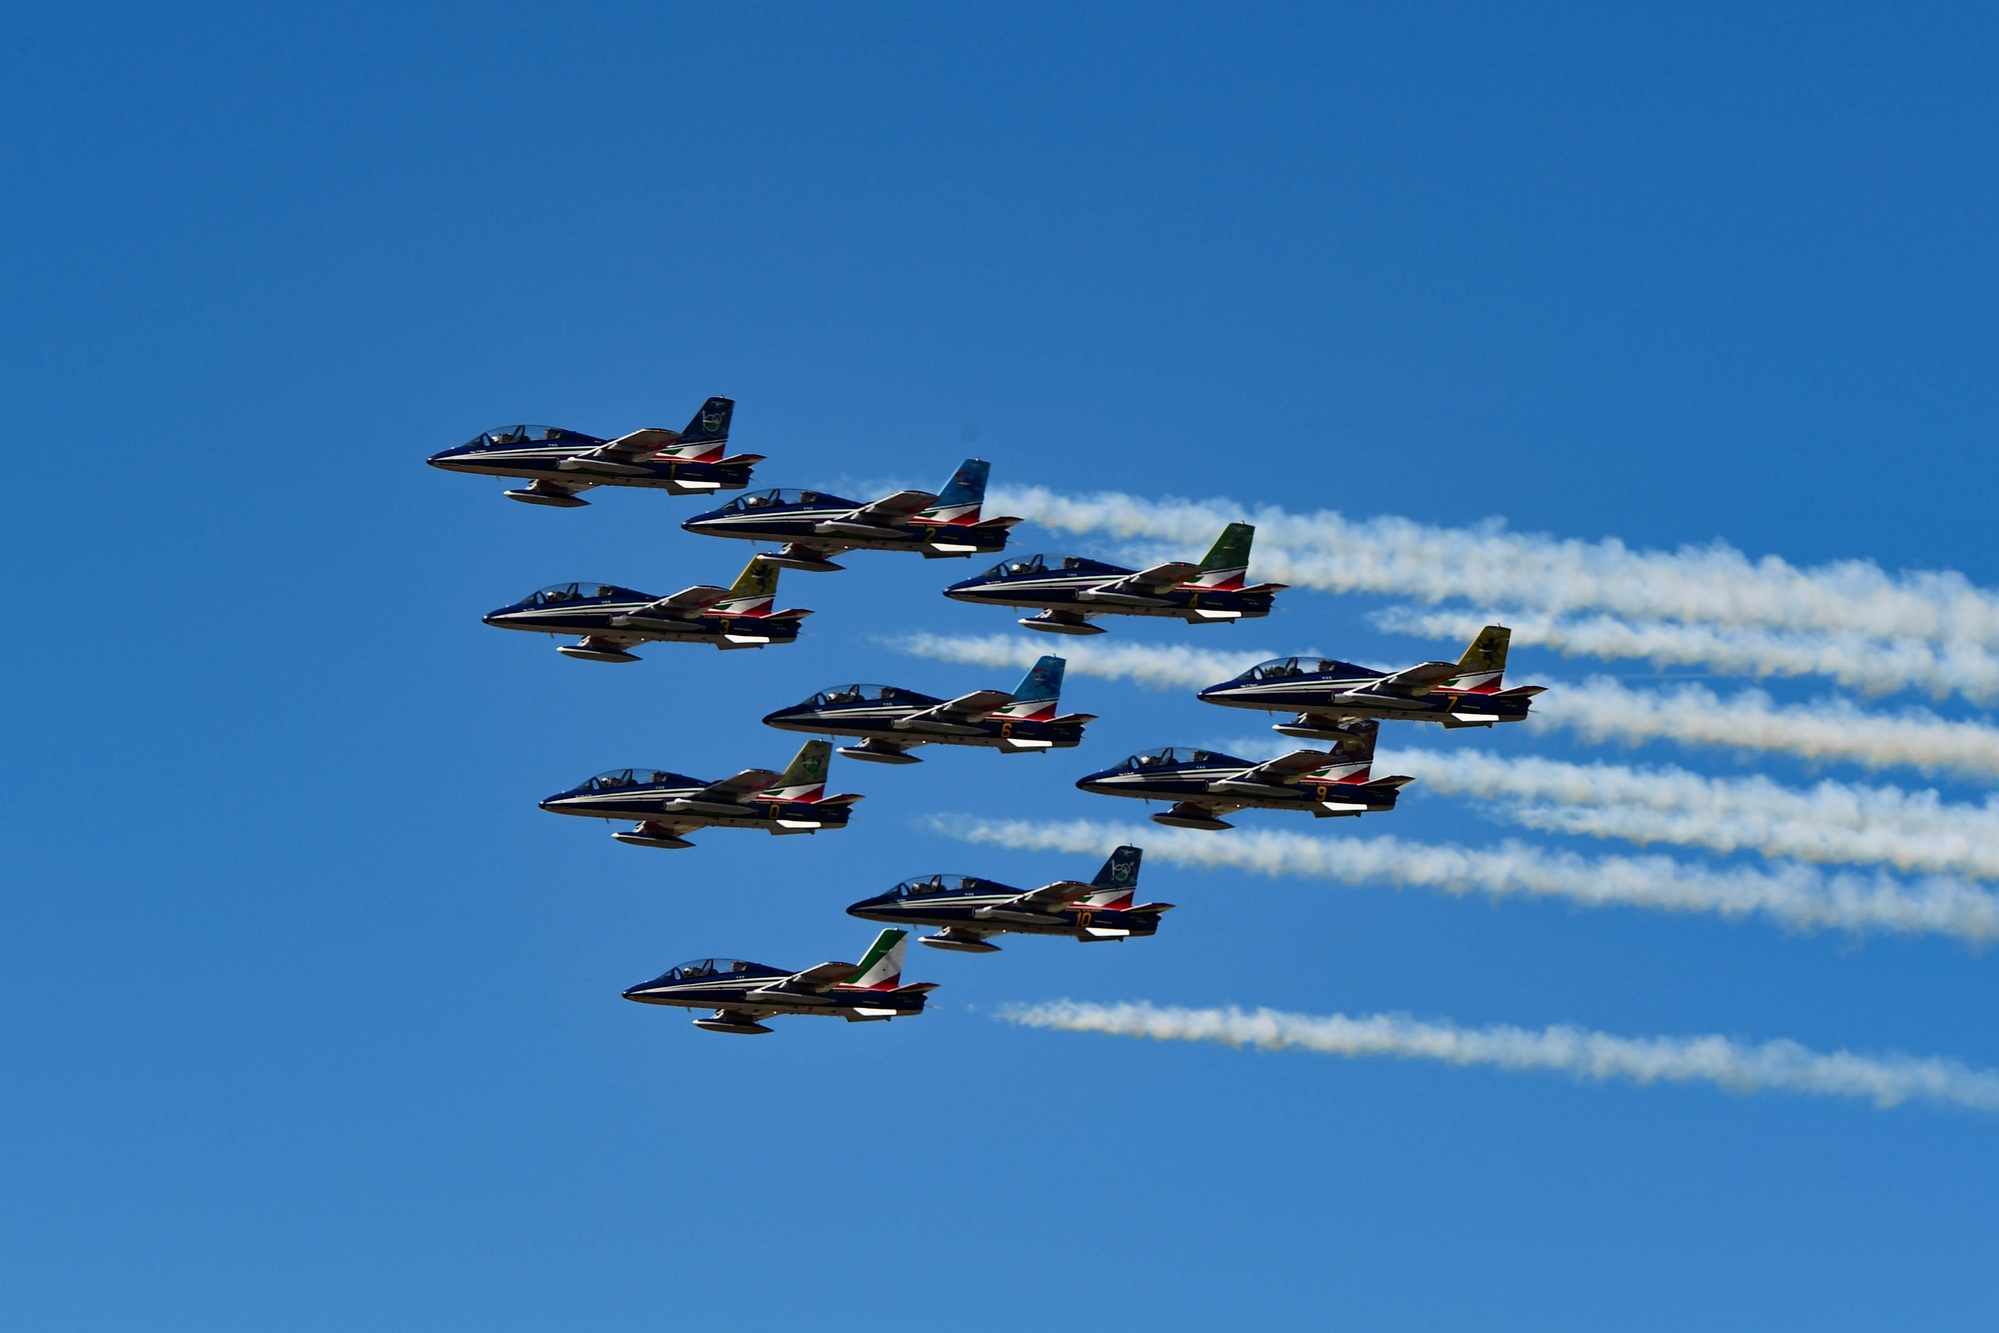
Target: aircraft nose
pixel 548 802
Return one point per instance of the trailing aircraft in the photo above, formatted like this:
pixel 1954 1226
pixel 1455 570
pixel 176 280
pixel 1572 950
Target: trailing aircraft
pixel 667 805
pixel 892 721
pixel 612 619
pixel 970 909
pixel 561 462
pixel 741 992
pixel 1465 693
pixel 815 526
pixel 1070 589
pixel 1204 785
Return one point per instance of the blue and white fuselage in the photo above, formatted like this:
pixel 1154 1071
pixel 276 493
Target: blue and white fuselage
pixel 1204 785
pixel 970 910
pixel 610 620
pixel 664 805
pixel 891 721
pixel 741 992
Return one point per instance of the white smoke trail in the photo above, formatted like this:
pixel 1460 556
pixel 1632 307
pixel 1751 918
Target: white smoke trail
pixel 1774 1066
pixel 1874 666
pixel 1160 668
pixel 1796 896
pixel 1599 710
pixel 1829 822
pixel 1714 585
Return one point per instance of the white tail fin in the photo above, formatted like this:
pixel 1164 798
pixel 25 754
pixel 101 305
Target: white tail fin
pixel 805 778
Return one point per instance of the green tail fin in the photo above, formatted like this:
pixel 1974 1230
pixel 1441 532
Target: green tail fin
pixel 808 765
pixel 1231 549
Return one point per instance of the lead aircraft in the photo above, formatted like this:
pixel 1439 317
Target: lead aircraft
pixel 668 805
pixel 560 462
pixel 970 909
pixel 891 721
pixel 1324 693
pixel 1070 589
pixel 741 992
pixel 815 526
pixel 1204 785
pixel 613 619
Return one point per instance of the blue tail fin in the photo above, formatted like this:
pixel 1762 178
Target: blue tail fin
pixel 962 496
pixel 711 423
pixel 1042 682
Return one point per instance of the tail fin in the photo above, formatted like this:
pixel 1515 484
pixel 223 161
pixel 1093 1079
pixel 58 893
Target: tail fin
pixel 1484 663
pixel 805 778
pixel 1227 562
pixel 963 495
pixel 706 436
pixel 1117 881
pixel 1039 693
pixel 881 969
pixel 753 591
pixel 1353 751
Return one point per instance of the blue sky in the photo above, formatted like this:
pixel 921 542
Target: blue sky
pixel 314 1019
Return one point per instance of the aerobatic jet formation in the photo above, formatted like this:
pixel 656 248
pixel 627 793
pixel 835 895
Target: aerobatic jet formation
pixel 559 462
pixel 612 620
pixel 970 910
pixel 814 526
pixel 741 992
pixel 1069 590
pixel 892 721
pixel 1204 785
pixel 1324 693
pixel 665 806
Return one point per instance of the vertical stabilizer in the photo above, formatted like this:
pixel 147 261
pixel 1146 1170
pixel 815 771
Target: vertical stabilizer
pixel 706 435
pixel 1353 752
pixel 1039 693
pixel 962 496
pixel 805 779
pixel 753 591
pixel 881 969
pixel 1227 562
pixel 1117 881
pixel 1484 663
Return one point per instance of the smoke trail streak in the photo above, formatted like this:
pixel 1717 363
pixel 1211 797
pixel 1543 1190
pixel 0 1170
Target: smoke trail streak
pixel 1599 710
pixel 1714 585
pixel 1796 896
pixel 1873 666
pixel 1598 1057
pixel 1160 668
pixel 1829 822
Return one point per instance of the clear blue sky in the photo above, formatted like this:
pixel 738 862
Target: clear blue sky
pixel 312 1020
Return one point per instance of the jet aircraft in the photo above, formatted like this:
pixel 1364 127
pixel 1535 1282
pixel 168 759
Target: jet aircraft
pixel 1070 590
pixel 891 721
pixel 741 992
pixel 1204 785
pixel 815 526
pixel 559 463
pixel 612 619
pixel 970 909
pixel 1466 693
pixel 668 805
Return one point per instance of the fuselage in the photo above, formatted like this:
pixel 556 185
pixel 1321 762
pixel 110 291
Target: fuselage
pixel 816 517
pixel 1208 778
pixel 539 452
pixel 965 901
pixel 598 608
pixel 655 796
pixel 882 712
pixel 730 984
pixel 1342 689
pixel 1073 583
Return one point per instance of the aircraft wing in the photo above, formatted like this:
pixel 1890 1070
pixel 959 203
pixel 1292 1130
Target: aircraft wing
pixel 1286 768
pixel 971 707
pixel 1154 580
pixel 891 508
pixel 1416 679
pixel 817 980
pixel 1051 895
pixel 687 599
pixel 734 789
pixel 623 454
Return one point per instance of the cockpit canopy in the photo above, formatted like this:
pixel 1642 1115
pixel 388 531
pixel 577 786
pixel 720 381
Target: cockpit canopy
pixel 862 694
pixel 1280 668
pixel 1042 564
pixel 930 886
pixel 503 436
pixel 555 594
pixel 784 495
pixel 1173 756
pixel 618 779
pixel 696 969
